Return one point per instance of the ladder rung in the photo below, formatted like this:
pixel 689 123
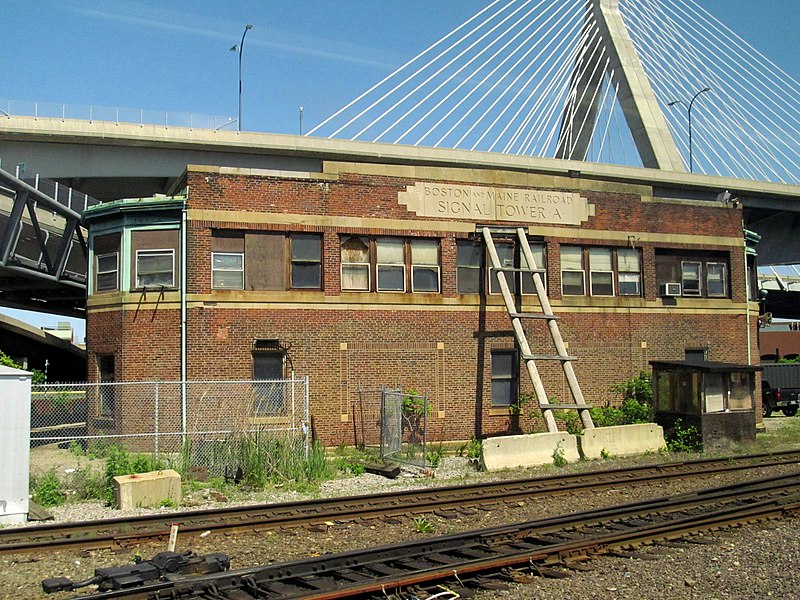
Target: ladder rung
pixel 565 406
pixel 517 315
pixel 514 269
pixel 546 357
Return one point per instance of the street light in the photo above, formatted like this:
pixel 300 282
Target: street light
pixel 239 48
pixel 689 113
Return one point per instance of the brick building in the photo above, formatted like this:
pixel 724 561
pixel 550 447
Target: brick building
pixel 359 274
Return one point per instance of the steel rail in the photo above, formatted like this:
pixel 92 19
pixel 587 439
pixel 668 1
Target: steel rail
pixel 126 531
pixel 544 543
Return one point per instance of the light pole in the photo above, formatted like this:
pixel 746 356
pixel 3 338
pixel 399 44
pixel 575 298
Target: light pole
pixel 239 48
pixel 689 113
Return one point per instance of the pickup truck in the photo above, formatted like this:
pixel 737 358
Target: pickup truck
pixel 785 400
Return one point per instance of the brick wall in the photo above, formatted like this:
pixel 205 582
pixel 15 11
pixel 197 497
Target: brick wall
pixel 438 344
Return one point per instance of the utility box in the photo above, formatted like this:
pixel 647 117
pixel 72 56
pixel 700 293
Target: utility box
pixel 15 433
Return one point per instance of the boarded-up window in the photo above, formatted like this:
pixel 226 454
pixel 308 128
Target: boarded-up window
pixel 265 264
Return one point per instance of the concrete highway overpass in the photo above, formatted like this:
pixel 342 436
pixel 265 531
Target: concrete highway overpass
pixel 111 160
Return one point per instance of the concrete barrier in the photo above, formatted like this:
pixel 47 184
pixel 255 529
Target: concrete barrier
pixel 622 440
pixel 147 489
pixel 531 450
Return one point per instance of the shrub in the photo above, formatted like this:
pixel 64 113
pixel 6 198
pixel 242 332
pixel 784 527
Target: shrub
pixel 682 438
pixel 47 489
pixel 638 388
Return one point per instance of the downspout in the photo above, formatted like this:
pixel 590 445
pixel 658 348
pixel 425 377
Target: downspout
pixel 184 336
pixel 747 294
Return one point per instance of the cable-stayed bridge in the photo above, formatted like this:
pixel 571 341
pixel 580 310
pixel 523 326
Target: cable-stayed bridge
pixel 651 91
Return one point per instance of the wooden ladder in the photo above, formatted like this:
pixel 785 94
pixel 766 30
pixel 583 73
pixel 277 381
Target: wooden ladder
pixel 530 359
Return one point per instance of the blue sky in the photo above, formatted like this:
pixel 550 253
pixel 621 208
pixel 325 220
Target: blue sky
pixel 319 54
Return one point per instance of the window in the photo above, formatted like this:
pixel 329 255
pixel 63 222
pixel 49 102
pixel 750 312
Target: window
pixel 106 249
pixel 504 377
pixel 601 273
pixel 356 264
pixel 690 278
pixel 572 273
pixel 424 266
pixel 107 272
pixel 155 268
pixel 390 264
pixel 227 270
pixel 630 272
pixel 152 258
pixel 716 279
pixel 611 271
pixel 268 386
pixel 472 255
pixel 469 266
pixel 700 273
pixel 306 261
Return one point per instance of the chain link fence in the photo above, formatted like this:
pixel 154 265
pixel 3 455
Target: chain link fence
pixel 396 421
pixel 222 426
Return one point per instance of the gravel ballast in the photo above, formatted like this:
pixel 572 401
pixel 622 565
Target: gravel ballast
pixel 758 560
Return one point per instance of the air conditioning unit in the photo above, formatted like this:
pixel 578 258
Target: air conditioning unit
pixel 670 289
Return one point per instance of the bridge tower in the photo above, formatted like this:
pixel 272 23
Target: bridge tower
pixel 645 119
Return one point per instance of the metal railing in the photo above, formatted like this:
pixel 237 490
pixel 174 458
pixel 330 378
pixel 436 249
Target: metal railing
pixel 91 113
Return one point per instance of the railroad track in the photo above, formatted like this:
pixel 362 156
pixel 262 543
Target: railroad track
pixel 445 501
pixel 479 559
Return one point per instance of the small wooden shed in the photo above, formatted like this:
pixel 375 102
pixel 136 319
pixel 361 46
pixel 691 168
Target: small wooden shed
pixel 718 399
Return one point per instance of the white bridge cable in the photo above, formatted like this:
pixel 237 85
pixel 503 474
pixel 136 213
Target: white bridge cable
pixel 510 86
pixel 538 120
pixel 582 65
pixel 388 77
pixel 468 79
pixel 514 84
pixel 667 79
pixel 595 61
pixel 539 98
pixel 605 114
pixel 746 93
pixel 539 77
pixel 430 78
pixel 767 145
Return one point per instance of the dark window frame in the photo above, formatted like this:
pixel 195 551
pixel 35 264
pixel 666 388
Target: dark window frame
pixel 297 263
pixel 509 379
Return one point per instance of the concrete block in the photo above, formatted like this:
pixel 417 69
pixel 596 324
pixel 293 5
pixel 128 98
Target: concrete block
pixel 622 440
pixel 147 489
pixel 511 451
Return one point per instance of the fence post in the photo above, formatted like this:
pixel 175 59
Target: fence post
pixel 156 419
pixel 308 413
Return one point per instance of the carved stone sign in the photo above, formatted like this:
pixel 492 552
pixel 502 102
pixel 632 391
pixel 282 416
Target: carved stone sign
pixel 496 204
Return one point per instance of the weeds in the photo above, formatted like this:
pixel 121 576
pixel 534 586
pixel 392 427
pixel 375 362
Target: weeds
pixel 423 525
pixel 559 456
pixel 472 449
pixel 434 457
pixel 47 490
